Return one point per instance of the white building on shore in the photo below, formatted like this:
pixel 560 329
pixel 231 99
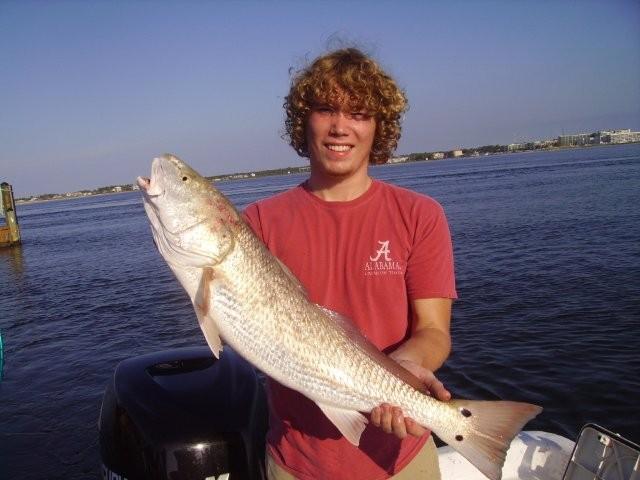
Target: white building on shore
pixel 620 136
pixel 601 137
pixel 397 159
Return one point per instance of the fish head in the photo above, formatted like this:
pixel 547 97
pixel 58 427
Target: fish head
pixel 176 192
pixel 191 221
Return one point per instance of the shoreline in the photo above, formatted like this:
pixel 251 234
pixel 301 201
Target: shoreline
pixel 62 199
pixel 305 168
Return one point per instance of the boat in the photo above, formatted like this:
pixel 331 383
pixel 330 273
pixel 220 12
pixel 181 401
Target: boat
pixel 183 414
pixel 532 455
pixel 598 454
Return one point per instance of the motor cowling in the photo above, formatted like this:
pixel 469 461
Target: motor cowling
pixel 183 415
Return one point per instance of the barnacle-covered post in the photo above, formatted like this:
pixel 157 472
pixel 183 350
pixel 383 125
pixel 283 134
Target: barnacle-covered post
pixel 9 233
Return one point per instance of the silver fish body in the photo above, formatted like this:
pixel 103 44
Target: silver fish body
pixel 243 295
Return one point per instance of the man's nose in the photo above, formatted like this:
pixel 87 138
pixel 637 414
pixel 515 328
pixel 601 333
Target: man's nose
pixel 338 123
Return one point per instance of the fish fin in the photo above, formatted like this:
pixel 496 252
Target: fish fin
pixel 486 431
pixel 350 422
pixel 202 306
pixel 292 277
pixel 365 345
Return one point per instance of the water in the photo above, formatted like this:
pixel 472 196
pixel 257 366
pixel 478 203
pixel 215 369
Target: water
pixel 548 268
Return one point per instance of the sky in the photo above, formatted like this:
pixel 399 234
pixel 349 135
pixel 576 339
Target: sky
pixel 91 91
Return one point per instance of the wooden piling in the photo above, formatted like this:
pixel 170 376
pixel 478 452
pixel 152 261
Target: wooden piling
pixel 9 233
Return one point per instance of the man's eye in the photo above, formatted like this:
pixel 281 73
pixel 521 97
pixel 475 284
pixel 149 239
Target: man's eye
pixel 359 115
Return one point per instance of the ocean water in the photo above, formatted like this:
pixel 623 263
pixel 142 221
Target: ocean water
pixel 547 250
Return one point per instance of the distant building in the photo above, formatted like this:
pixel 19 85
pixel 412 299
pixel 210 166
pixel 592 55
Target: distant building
pixel 437 156
pixel 619 136
pixel 456 153
pixel 117 188
pixel 602 137
pixel 574 140
pixel 397 159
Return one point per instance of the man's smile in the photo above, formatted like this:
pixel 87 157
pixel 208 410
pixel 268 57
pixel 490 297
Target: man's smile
pixel 338 147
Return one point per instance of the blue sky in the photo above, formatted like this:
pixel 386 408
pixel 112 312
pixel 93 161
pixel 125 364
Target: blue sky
pixel 90 91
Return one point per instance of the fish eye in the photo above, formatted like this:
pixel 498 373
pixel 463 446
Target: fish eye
pixel 184 179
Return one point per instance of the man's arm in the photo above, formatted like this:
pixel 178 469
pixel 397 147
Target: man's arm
pixel 430 342
pixel 424 352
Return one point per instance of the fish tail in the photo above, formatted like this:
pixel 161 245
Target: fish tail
pixel 486 430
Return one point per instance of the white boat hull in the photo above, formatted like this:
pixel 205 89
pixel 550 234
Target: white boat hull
pixel 532 455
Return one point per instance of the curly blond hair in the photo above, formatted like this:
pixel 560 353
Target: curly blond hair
pixel 350 77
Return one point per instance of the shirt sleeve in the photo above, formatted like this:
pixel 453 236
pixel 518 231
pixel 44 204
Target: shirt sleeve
pixel 430 269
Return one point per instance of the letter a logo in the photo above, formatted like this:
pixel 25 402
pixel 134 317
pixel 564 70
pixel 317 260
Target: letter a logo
pixel 384 250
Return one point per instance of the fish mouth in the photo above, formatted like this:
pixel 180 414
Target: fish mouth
pixel 144 183
pixel 152 187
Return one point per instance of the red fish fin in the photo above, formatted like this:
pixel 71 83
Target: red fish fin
pixel 486 431
pixel 202 306
pixel 349 422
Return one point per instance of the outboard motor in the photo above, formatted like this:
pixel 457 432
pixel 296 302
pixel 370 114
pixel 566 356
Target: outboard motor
pixel 183 415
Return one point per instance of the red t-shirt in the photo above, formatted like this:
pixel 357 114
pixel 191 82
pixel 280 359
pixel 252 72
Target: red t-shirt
pixel 366 259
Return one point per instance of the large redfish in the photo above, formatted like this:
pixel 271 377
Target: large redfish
pixel 243 295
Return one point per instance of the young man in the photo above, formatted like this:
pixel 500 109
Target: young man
pixel 378 254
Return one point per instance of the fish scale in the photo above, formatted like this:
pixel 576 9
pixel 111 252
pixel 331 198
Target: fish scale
pixel 302 362
pixel 244 296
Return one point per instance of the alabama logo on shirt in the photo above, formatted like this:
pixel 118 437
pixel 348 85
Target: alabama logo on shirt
pixel 381 262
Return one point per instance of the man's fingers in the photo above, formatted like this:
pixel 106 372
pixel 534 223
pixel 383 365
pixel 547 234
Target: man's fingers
pixel 435 387
pixel 386 418
pixel 398 425
pixel 392 420
pixel 376 415
pixel 438 391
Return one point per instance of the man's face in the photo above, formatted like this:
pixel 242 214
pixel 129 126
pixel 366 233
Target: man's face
pixel 339 140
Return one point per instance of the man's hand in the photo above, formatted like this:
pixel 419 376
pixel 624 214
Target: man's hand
pixel 391 419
